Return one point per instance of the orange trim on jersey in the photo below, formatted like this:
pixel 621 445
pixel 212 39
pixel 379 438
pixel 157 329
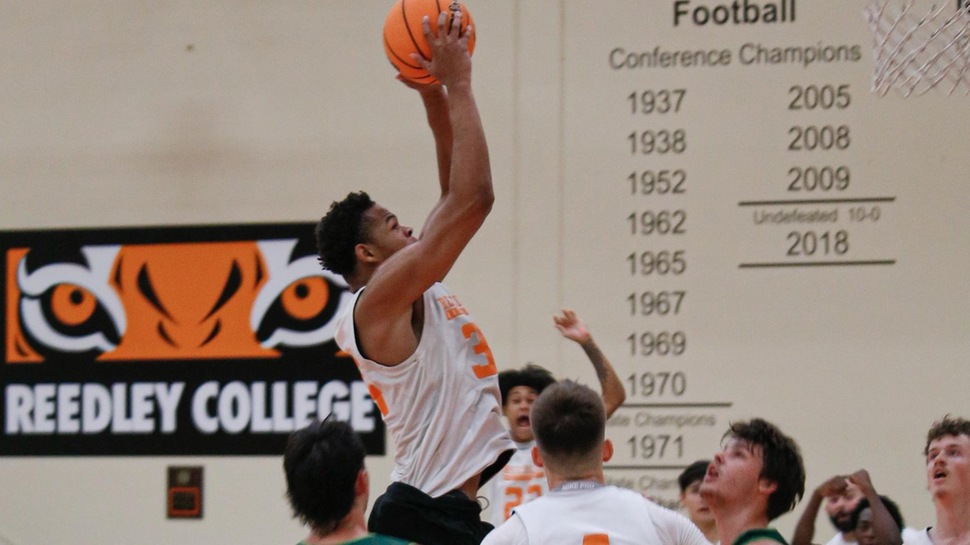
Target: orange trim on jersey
pixel 378 397
pixel 522 477
pixel 452 306
pixel 596 539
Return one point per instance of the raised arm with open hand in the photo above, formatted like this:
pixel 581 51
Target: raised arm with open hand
pixel 574 329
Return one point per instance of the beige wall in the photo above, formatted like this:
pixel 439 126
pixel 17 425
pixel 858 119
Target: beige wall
pixel 145 113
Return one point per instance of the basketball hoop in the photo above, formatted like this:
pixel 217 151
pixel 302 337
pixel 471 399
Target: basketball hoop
pixel 915 50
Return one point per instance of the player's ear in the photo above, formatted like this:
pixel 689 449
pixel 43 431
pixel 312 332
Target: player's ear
pixel 362 484
pixel 766 486
pixel 536 457
pixel 607 450
pixel 364 253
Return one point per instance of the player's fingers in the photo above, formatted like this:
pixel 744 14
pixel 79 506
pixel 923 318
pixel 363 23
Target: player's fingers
pixel 426 28
pixel 464 37
pixel 442 24
pixel 455 29
pixel 420 61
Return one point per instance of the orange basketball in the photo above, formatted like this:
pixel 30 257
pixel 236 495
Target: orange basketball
pixel 403 34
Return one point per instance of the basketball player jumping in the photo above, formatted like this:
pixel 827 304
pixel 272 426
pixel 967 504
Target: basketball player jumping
pixel 427 364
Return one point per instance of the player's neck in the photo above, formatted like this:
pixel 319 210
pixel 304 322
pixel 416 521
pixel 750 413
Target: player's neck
pixel 557 480
pixel 732 521
pixel 710 531
pixel 952 521
pixel 352 527
pixel 354 283
pixel 360 277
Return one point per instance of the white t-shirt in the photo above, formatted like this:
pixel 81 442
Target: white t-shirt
pixel 605 514
pixel 520 481
pixel 442 405
pixel 912 536
pixel 839 539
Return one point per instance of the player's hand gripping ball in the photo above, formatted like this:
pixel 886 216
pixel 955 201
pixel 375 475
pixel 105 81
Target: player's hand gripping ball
pixel 403 34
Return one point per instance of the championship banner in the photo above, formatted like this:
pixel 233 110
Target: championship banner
pixel 196 340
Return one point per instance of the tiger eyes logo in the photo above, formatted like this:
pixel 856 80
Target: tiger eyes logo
pixel 216 333
pixel 169 301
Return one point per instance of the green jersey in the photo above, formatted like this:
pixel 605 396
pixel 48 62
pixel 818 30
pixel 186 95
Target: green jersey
pixel 759 533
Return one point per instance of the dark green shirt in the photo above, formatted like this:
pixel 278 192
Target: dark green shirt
pixel 759 533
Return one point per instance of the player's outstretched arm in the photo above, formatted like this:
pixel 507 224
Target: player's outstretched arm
pixel 464 173
pixel 574 329
pixel 435 99
pixel 466 199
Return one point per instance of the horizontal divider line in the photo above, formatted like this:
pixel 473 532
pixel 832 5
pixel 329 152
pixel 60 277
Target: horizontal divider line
pixel 818 201
pixel 816 264
pixel 719 404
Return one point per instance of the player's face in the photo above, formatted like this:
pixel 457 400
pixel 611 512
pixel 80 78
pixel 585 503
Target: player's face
pixel 948 466
pixel 734 473
pixel 517 407
pixel 697 509
pixel 864 532
pixel 387 235
pixel 840 507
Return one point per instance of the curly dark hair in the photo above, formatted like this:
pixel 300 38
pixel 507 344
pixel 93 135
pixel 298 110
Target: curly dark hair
pixel 532 376
pixel 947 426
pixel 340 230
pixel 781 462
pixel 322 462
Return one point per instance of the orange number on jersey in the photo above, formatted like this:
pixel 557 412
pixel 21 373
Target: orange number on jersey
pixel 516 494
pixel 596 539
pixel 534 491
pixel 488 368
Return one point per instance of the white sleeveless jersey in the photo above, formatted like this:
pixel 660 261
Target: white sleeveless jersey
pixel 520 481
pixel 607 515
pixel 442 405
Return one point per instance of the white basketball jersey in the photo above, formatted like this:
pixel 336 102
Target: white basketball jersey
pixel 604 516
pixel 520 481
pixel 442 405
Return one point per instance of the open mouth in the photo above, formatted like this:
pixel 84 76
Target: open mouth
pixel 522 421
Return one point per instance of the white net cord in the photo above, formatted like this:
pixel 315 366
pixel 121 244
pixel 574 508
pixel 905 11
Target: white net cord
pixel 914 52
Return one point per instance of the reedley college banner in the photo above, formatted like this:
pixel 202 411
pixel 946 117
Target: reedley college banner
pixel 210 340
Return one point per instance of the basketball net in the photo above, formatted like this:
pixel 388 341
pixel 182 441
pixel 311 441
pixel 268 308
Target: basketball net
pixel 915 50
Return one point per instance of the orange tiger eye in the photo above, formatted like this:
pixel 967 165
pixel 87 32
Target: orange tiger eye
pixel 72 305
pixel 306 297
